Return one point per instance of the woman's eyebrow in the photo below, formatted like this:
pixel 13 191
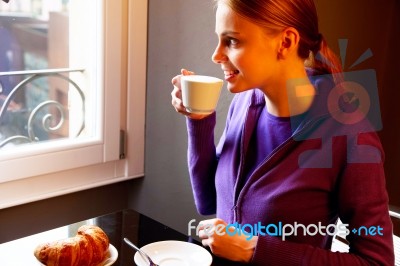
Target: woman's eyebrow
pixel 229 33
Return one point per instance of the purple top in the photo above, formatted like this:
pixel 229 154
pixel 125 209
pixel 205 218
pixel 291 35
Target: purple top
pixel 324 171
pixel 270 132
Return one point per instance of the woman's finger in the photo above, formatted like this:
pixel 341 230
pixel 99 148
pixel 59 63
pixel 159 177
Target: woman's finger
pixel 207 242
pixel 186 72
pixel 207 232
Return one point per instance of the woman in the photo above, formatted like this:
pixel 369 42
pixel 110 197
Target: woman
pixel 286 157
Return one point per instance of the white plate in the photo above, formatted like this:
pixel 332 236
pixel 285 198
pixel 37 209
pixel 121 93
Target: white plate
pixel 111 257
pixel 175 253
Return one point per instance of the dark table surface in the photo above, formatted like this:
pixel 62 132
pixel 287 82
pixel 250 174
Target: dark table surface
pixel 141 230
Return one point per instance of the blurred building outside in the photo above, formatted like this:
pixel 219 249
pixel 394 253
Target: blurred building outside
pixel 34 36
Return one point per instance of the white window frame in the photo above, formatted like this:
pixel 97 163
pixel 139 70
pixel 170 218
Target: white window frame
pixel 51 169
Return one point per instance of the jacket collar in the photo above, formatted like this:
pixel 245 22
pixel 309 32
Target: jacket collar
pixel 323 84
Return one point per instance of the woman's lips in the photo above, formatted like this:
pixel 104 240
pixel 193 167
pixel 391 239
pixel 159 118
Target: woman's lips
pixel 230 74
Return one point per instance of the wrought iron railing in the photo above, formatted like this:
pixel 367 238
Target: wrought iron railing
pixel 47 118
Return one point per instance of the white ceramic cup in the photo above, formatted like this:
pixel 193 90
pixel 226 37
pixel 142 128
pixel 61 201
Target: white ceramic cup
pixel 200 94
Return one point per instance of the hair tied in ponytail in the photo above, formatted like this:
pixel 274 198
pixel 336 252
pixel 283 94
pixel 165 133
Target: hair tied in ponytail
pixel 317 44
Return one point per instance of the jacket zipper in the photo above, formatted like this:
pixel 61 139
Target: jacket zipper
pixel 239 176
pixel 238 194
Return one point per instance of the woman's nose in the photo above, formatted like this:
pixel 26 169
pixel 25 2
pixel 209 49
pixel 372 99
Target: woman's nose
pixel 218 56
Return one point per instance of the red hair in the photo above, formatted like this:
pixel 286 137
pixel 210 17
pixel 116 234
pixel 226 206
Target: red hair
pixel 276 15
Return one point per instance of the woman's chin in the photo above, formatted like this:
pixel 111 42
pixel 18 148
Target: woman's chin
pixel 234 88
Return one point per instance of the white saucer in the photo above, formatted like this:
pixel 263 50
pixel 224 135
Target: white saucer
pixel 111 257
pixel 175 253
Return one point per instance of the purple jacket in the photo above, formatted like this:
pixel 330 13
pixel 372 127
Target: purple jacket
pixel 325 171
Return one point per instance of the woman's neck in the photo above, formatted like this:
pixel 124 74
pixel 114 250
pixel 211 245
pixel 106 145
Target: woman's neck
pixel 291 94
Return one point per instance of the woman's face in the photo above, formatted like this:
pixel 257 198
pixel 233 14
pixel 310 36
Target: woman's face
pixel 246 54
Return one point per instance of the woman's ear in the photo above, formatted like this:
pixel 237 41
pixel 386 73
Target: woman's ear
pixel 289 42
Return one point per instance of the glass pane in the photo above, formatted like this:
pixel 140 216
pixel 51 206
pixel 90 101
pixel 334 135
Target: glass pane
pixel 42 93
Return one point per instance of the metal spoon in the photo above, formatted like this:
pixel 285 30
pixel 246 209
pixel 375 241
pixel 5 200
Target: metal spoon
pixel 142 253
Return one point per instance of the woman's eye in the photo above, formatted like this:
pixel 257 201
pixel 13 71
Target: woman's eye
pixel 232 41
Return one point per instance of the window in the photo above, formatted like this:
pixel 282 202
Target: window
pixel 48 80
pixel 73 72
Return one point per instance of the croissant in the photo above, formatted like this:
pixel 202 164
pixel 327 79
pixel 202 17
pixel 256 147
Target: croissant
pixel 88 248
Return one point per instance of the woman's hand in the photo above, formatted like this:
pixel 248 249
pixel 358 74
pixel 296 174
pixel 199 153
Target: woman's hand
pixel 233 246
pixel 176 95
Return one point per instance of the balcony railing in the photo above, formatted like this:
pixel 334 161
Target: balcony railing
pixel 50 113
